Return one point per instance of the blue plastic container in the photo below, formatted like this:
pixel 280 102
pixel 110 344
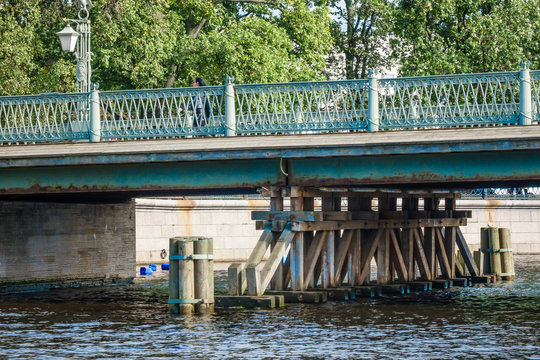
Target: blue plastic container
pixel 164 266
pixel 145 271
pixel 153 267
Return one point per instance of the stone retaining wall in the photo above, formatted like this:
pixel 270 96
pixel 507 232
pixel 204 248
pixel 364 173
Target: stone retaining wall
pixel 63 244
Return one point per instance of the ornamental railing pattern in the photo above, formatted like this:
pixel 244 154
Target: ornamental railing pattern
pixel 46 117
pixel 301 107
pixel 492 99
pixel 449 101
pixel 162 113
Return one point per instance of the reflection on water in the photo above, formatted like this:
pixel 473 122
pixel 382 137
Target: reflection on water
pixel 490 322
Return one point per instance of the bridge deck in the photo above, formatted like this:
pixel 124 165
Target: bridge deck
pixel 430 159
pixel 281 146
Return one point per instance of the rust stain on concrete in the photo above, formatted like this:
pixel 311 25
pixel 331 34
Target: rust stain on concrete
pixel 184 216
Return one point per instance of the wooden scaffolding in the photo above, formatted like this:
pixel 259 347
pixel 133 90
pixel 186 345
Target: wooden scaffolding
pixel 329 237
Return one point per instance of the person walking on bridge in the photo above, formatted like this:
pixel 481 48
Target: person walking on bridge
pixel 200 105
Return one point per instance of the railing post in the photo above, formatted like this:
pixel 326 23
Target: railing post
pixel 230 111
pixel 373 102
pixel 95 118
pixel 525 98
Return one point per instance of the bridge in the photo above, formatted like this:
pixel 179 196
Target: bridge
pixel 386 139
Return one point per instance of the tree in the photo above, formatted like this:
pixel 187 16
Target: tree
pixel 462 36
pixel 362 33
pixel 28 46
pixel 253 40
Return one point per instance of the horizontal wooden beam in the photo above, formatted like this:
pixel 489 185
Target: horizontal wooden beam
pixel 375 224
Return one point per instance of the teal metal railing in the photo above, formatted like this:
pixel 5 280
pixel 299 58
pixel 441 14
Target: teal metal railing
pixel 162 113
pixel 301 107
pixel 449 101
pixel 535 95
pixel 492 99
pixel 45 117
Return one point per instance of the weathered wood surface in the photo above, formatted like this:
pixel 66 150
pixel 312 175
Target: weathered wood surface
pixel 309 297
pixel 376 224
pixel 258 279
pixel 174 280
pixel 466 253
pixel 507 259
pixel 367 291
pixel 442 284
pixel 270 301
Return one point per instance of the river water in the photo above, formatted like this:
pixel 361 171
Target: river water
pixel 495 321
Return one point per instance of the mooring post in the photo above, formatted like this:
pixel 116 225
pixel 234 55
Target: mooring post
pixel 230 110
pixel 525 98
pixel 174 280
pixel 507 260
pixel 191 275
pixel 494 251
pixel 95 116
pixel 183 297
pixel 204 275
pixel 373 101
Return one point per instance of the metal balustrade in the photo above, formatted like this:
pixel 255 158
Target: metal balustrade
pixel 45 117
pixel 535 95
pixel 516 193
pixel 492 99
pixel 301 107
pixel 136 114
pixel 450 101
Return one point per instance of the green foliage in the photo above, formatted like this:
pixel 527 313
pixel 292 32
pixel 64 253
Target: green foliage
pixel 133 43
pixel 362 33
pixel 460 36
pixel 165 43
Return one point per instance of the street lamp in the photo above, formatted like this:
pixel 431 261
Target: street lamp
pixel 78 41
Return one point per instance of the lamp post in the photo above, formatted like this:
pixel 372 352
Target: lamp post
pixel 78 41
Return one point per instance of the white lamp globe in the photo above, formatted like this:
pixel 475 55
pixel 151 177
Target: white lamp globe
pixel 68 38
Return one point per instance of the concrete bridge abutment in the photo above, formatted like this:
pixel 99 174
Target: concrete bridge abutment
pixel 47 245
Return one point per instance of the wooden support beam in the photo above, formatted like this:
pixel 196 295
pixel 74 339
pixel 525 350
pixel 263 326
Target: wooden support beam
pixel 383 258
pixel 270 301
pixel 420 255
pixel 254 259
pixel 286 270
pixel 309 297
pixel 375 224
pixel 235 280
pixel 328 255
pixel 450 238
pixel 313 253
pixel 397 257
pixel 309 205
pixel 466 253
pixel 406 241
pixel 369 251
pixel 297 246
pixel 257 279
pixel 276 204
pixel 441 254
pixel 341 254
pixel 429 239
